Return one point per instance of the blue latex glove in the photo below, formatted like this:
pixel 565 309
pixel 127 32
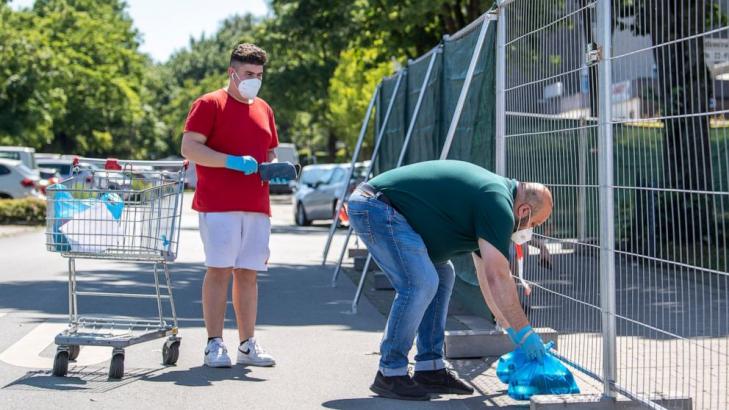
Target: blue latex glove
pixel 530 343
pixel 245 164
pixel 512 334
pixel 281 181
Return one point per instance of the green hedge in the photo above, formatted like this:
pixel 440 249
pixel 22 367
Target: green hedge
pixel 29 211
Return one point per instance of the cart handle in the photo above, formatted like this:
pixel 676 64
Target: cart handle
pixel 114 164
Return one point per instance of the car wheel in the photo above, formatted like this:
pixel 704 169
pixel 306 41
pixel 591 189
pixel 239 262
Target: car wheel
pixel 301 216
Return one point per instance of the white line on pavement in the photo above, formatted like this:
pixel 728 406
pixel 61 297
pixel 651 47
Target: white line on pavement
pixel 26 352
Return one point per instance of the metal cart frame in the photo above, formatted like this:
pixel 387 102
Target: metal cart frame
pixel 147 198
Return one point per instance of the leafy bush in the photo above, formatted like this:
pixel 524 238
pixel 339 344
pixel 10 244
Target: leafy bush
pixel 29 211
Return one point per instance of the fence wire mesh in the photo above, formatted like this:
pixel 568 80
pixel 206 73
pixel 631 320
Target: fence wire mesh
pixel 669 98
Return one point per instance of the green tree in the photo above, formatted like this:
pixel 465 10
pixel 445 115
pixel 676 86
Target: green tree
pixel 30 95
pixel 350 88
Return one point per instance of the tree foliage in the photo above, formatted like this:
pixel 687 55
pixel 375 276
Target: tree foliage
pixel 73 79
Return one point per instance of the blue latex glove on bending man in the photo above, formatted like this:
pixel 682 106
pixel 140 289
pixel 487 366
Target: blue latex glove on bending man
pixel 529 342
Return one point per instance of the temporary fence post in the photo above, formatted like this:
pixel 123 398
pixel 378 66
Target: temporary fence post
pixel 466 87
pixel 500 141
pixel 355 156
pixel 607 214
pixel 378 140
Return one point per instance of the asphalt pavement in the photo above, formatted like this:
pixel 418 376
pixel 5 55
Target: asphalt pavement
pixel 326 356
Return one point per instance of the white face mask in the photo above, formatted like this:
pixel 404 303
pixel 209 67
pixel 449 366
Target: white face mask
pixel 522 236
pixel 248 88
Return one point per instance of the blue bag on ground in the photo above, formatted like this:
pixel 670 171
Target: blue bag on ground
pixel 512 361
pixel 508 364
pixel 550 377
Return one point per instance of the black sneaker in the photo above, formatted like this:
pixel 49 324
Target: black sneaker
pixel 398 387
pixel 442 381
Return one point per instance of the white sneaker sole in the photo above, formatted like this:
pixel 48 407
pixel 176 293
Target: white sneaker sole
pixel 220 364
pixel 263 363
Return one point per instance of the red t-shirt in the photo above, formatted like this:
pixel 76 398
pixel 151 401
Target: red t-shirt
pixel 234 128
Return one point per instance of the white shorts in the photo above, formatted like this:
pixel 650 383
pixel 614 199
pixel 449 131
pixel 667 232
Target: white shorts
pixel 236 239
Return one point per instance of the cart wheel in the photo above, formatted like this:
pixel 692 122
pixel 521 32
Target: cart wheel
pixel 73 352
pixel 116 369
pixel 170 352
pixel 60 363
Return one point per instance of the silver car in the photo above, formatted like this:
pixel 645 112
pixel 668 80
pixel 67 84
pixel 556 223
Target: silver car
pixel 17 180
pixel 318 189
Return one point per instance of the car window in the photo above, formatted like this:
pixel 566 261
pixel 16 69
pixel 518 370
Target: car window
pixel 4 170
pixel 312 175
pixel 337 176
pixel 10 155
pixel 63 169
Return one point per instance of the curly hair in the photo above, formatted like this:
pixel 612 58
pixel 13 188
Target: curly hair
pixel 247 53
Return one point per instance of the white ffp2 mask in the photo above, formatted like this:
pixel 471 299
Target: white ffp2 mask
pixel 248 88
pixel 522 236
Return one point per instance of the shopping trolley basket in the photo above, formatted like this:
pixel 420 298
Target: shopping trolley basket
pixel 123 211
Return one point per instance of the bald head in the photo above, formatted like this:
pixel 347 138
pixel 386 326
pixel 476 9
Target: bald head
pixel 535 199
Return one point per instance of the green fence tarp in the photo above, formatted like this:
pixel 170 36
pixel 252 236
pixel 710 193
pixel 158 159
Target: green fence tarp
pixel 474 137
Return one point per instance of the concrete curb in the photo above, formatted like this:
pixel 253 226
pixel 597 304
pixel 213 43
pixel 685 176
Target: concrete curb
pixel 7 231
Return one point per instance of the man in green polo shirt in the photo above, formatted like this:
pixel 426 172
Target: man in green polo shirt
pixel 414 219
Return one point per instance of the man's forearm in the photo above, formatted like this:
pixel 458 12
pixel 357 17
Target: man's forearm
pixel 503 290
pixel 203 155
pixel 486 292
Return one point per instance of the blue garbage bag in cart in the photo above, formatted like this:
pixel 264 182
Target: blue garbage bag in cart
pixel 549 377
pixel 66 207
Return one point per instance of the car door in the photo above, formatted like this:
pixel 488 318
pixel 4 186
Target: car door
pixel 314 199
pixel 330 192
pixel 8 183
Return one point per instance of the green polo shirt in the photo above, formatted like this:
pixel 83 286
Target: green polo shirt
pixel 451 204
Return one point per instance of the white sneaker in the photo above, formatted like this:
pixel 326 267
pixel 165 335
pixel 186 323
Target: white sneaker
pixel 216 354
pixel 251 353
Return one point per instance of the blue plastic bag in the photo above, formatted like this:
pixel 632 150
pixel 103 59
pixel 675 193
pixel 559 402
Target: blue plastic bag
pixel 550 377
pixel 508 364
pixel 65 207
pixel 512 361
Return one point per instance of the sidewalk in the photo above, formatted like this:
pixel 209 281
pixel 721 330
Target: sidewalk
pixel 12 230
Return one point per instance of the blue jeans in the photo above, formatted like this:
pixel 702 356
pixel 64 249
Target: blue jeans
pixel 422 288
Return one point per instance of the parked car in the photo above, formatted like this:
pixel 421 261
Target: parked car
pixel 26 155
pixel 285 152
pixel 319 188
pixel 17 180
pixel 64 167
pixel 48 177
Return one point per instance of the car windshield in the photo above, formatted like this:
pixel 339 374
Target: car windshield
pixel 10 155
pixel 312 175
pixel 63 169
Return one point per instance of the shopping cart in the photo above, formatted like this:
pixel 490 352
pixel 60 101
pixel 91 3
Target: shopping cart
pixel 124 211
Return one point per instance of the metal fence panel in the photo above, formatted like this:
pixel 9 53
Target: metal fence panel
pixel 666 101
pixel 671 199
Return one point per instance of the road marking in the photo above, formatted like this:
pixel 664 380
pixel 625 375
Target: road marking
pixel 26 352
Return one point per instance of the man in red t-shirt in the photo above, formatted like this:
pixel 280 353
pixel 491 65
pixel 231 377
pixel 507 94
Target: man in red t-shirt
pixel 228 132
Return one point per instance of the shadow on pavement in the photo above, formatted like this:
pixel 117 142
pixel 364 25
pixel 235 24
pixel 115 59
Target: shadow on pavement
pixel 290 295
pixel 203 376
pixel 79 379
pixel 473 402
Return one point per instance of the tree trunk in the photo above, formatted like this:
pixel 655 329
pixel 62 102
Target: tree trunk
pixel 331 146
pixel 685 88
